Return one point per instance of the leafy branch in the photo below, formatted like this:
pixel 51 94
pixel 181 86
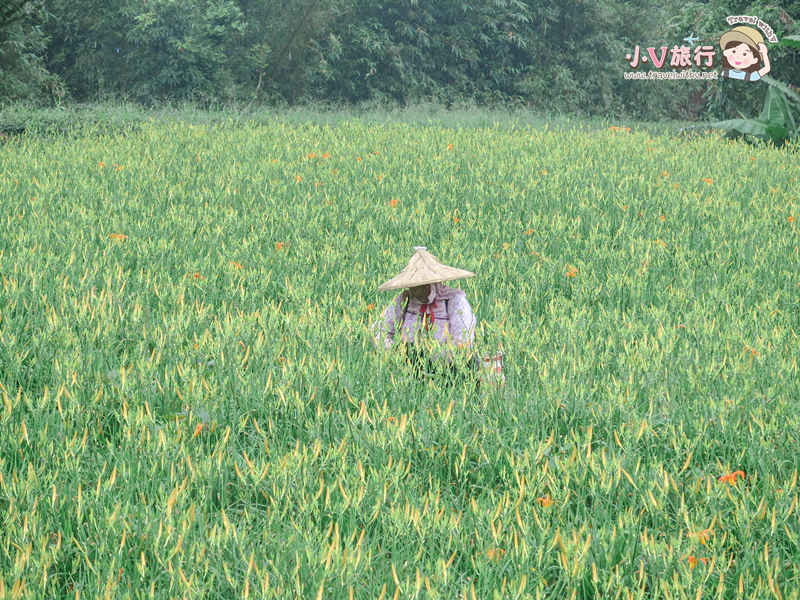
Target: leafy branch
pixel 776 123
pixel 13 11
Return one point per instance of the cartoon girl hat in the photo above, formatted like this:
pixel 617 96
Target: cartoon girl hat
pixel 422 269
pixel 743 33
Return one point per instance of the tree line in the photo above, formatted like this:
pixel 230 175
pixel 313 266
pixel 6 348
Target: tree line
pixel 555 56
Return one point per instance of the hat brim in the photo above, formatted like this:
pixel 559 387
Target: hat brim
pixel 400 285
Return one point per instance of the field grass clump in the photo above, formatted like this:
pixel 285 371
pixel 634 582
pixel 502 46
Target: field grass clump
pixel 191 405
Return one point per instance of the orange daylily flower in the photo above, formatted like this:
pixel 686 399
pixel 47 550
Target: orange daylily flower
pixel 102 164
pixel 370 306
pixel 665 173
pixel 572 272
pixel 312 155
pixel 495 553
pixel 545 501
pixel 394 202
pixel 708 180
pixel 298 178
pixel 278 245
pixel 391 420
pixel 380 177
pixel 702 535
pixel 615 128
pixel 791 219
pixel 118 236
pixel 198 276
pixel 731 477
pixel 197 430
pixel 456 219
pixel 544 171
pixel 662 217
pixel 529 231
pixel 325 155
pixel 693 561
pixel 237 265
pixel 449 146
pixel 358 158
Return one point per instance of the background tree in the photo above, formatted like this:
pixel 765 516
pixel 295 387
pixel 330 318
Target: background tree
pixel 13 11
pixel 289 46
pixel 407 50
pixel 22 44
pixel 725 98
pixel 149 51
pixel 562 57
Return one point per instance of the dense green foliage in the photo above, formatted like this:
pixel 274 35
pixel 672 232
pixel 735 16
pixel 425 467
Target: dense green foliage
pixel 190 405
pixel 159 49
pixel 778 121
pixel 726 98
pixel 563 57
pixel 22 47
pixel 13 11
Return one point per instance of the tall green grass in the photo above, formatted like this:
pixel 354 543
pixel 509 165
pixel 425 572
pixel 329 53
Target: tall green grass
pixel 192 407
pixel 111 117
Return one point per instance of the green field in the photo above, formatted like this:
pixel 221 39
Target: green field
pixel 192 405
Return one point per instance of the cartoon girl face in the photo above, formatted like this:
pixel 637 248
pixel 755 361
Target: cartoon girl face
pixel 740 56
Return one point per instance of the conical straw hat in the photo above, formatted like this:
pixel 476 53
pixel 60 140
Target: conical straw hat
pixel 422 269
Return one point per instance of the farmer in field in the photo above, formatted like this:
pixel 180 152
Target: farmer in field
pixel 433 323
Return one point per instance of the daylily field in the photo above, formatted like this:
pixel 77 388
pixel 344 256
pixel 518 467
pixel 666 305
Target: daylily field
pixel 191 405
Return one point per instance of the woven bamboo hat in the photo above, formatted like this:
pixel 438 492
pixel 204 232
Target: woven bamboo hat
pixel 422 269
